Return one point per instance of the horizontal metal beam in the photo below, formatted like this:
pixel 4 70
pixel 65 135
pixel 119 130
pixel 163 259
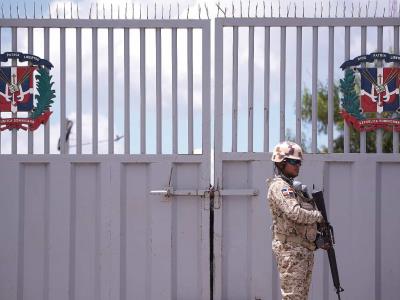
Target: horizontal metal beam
pixel 205 193
pixel 307 22
pixel 238 192
pixel 107 23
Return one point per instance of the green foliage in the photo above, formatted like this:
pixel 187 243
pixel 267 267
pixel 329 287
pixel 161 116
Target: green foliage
pixel 322 104
pixel 45 92
pixel 350 100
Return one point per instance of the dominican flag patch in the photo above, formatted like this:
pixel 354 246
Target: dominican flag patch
pixel 288 192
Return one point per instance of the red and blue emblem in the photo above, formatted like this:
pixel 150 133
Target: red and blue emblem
pixel 379 89
pixel 16 89
pixel 374 101
pixel 19 86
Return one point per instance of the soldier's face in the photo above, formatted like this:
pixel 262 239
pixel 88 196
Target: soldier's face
pixel 292 170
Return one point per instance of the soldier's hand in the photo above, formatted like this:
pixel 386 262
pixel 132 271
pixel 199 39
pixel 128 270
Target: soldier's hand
pixel 320 218
pixel 325 246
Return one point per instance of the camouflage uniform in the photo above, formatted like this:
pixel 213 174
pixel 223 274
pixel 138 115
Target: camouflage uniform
pixel 294 229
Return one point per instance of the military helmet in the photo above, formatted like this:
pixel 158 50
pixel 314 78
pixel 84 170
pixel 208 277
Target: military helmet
pixel 286 149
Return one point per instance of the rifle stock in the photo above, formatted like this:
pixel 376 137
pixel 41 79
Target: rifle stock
pixel 327 232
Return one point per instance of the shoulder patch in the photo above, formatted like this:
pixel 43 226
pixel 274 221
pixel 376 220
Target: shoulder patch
pixel 288 192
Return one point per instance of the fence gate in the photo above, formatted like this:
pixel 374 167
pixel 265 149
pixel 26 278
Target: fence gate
pixel 254 90
pixel 99 225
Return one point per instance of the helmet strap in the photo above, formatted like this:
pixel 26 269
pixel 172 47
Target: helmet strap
pixel 278 170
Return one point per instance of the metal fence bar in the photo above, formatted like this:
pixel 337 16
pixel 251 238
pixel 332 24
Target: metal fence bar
pixel 174 92
pixel 14 47
pixel 251 90
pixel 267 48
pixel 363 135
pixel 206 91
pixel 235 88
pixel 282 85
pixel 127 119
pixel 379 132
pixel 63 123
pixel 95 110
pixel 330 88
pixel 46 47
pixel 218 138
pixel 108 23
pixel 78 91
pixel 30 50
pixel 190 88
pixel 396 51
pixel 142 91
pixel 0 66
pixel 110 91
pixel 158 90
pixel 299 54
pixel 314 105
pixel 346 138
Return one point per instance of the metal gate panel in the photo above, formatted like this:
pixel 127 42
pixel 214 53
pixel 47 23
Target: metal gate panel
pixel 361 202
pixel 89 228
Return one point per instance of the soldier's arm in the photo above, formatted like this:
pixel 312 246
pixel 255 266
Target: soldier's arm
pixel 289 206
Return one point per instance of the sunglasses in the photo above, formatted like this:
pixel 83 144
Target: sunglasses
pixel 293 162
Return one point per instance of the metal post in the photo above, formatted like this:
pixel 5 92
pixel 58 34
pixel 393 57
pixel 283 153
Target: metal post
pixel 346 141
pixel 282 84
pixel 314 106
pixel 299 53
pixel 330 89
pixel 266 86
pixel 251 90
pixel 235 88
pixel 127 127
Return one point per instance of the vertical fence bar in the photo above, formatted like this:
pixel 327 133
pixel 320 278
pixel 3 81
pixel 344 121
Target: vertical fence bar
pixel 251 90
pixel 78 90
pixel 379 132
pixel 267 48
pixel 314 106
pixel 218 138
pixel 142 91
pixel 282 85
pixel 46 47
pixel 174 92
pixel 363 134
pixel 0 66
pixel 190 88
pixel 63 122
pixel 30 50
pixel 299 54
pixel 110 91
pixel 330 89
pixel 95 110
pixel 158 90
pixel 235 88
pixel 14 38
pixel 346 138
pixel 396 51
pixel 127 133
pixel 206 92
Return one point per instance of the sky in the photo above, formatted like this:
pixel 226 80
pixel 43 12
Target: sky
pixel 191 9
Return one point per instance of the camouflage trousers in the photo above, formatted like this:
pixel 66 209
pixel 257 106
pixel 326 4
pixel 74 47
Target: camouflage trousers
pixel 295 265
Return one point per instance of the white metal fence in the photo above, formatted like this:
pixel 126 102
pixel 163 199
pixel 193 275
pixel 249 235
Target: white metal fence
pixel 355 185
pixel 101 227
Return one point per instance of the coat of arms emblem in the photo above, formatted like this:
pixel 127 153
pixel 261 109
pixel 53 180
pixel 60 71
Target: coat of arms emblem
pixel 17 92
pixel 377 92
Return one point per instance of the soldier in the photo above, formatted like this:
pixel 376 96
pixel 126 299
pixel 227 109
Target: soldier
pixel 294 226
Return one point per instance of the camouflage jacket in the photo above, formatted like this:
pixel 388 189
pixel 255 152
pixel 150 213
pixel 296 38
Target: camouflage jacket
pixel 292 214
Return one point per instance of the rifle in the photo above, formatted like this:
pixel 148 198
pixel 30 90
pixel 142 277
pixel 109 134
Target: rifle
pixel 327 236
